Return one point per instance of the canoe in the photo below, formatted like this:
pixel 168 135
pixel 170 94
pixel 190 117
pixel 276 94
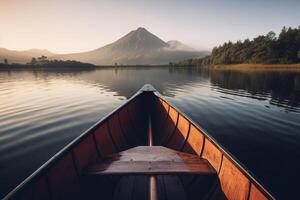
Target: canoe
pixel 144 149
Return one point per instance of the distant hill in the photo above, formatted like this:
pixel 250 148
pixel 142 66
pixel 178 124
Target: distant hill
pixel 22 56
pixel 137 47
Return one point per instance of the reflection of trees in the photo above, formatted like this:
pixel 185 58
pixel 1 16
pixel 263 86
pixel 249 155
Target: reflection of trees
pixel 283 87
pixel 196 71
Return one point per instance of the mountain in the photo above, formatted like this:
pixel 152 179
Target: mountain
pixel 38 52
pixel 137 47
pixel 22 56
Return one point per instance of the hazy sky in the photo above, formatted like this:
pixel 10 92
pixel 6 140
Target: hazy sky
pixel 65 26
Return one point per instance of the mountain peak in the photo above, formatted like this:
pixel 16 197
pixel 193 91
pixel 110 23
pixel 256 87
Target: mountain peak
pixel 141 29
pixel 139 40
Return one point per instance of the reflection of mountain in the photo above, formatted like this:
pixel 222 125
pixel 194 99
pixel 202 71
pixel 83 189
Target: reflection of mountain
pixel 125 81
pixel 130 79
pixel 283 87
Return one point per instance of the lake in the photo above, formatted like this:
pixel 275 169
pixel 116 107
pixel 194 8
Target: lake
pixel 254 115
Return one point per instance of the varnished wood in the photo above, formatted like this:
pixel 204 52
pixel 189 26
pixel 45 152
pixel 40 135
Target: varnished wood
pixel 255 194
pixel 153 188
pixel 39 191
pixel 64 183
pixel 174 188
pixel 205 170
pixel 150 160
pixel 180 135
pixel 169 126
pixel 85 152
pixel 195 142
pixel 116 132
pixel 232 180
pixel 212 154
pixel 105 141
pixel 150 135
pixel 152 181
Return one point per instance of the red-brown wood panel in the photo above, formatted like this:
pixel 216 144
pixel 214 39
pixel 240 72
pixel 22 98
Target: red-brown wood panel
pixel 63 180
pixel 170 125
pixel 256 194
pixel 157 102
pixel 194 142
pixel 116 132
pixel 212 154
pixel 158 114
pixel 166 107
pixel 132 110
pixel 104 141
pixel 159 121
pixel 127 128
pixel 180 135
pixel 140 105
pixel 165 104
pixel 138 115
pixel 234 184
pixel 132 114
pixel 85 152
pixel 36 191
pixel 137 110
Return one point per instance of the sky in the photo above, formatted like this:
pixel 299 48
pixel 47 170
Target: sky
pixel 67 26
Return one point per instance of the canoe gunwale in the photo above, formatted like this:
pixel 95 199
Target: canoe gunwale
pixel 226 153
pixel 59 155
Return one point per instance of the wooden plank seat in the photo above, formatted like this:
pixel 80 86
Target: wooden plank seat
pixel 150 160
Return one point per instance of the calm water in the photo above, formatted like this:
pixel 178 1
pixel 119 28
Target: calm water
pixel 255 115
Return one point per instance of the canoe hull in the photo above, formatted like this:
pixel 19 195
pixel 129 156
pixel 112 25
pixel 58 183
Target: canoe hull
pixel 126 127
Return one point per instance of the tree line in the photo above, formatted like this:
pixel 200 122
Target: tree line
pixel 5 62
pixel 43 61
pixel 264 49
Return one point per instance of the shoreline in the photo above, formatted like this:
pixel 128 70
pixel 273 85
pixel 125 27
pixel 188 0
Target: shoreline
pixel 28 66
pixel 257 67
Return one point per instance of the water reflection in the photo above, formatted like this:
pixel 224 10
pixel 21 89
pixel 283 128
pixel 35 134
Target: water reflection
pixel 255 115
pixel 283 88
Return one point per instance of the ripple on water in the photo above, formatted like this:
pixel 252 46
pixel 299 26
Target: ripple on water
pixel 250 115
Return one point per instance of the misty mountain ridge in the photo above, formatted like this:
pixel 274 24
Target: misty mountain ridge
pixel 137 47
pixel 176 45
pixel 23 56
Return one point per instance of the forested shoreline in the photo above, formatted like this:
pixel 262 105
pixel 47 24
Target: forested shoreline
pixel 44 62
pixel 264 49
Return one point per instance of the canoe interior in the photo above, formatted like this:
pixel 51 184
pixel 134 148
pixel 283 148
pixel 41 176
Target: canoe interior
pixel 63 176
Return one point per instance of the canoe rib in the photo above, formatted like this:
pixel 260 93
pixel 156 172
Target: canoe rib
pixel 232 177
